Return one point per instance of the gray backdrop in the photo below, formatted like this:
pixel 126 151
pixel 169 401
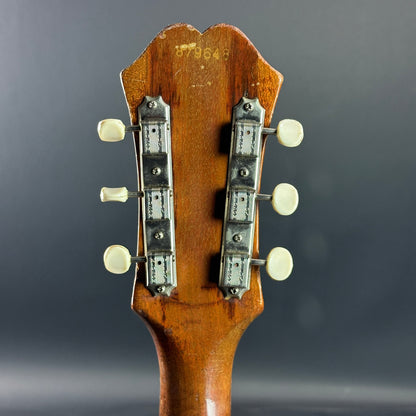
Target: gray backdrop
pixel 340 330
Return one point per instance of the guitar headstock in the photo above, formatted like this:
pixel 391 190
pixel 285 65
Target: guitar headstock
pixel 200 107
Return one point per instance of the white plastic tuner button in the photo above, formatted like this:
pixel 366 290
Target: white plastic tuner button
pixel 289 133
pixel 117 259
pixel 285 199
pixel 114 194
pixel 279 263
pixel 111 130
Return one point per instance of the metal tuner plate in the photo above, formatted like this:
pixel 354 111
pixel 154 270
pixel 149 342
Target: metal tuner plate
pixel 240 205
pixel 157 203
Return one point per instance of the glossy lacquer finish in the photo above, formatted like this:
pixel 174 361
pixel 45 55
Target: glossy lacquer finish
pixel 195 330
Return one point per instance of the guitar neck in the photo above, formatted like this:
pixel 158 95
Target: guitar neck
pixel 195 363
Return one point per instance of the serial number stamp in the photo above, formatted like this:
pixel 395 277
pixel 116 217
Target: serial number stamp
pixel 191 50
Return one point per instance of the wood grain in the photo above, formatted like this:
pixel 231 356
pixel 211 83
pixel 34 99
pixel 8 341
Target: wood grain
pixel 196 331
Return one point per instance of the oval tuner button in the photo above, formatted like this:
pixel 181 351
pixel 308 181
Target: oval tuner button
pixel 285 199
pixel 289 133
pixel 111 130
pixel 117 259
pixel 279 263
pixel 114 194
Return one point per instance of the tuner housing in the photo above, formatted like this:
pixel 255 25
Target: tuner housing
pixel 156 183
pixel 240 206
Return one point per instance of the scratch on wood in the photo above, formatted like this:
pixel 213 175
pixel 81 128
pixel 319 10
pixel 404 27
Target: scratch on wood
pixel 211 409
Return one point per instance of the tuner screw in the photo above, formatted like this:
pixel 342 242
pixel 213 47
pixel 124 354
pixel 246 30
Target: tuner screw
pixel 248 106
pixel 237 238
pixel 243 172
pixel 152 104
pixel 158 235
pixel 156 171
pixel 160 289
pixel 234 290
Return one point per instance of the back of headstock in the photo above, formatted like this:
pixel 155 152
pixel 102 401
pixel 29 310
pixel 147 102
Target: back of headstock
pixel 195 323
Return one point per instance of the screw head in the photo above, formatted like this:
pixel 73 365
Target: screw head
pixel 156 171
pixel 237 237
pixel 248 106
pixel 158 235
pixel 160 289
pixel 152 104
pixel 234 290
pixel 243 172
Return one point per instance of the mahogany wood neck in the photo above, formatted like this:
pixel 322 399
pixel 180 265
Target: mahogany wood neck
pixel 195 330
pixel 195 369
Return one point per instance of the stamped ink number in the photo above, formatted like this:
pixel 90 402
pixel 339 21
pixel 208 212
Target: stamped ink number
pixel 190 50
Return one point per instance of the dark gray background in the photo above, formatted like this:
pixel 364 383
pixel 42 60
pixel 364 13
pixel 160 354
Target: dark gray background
pixel 340 331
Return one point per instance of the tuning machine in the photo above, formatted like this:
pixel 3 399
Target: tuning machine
pixel 153 148
pixel 284 199
pixel 289 132
pixel 118 194
pixel 114 130
pixel 242 186
pixel 117 259
pixel 279 263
